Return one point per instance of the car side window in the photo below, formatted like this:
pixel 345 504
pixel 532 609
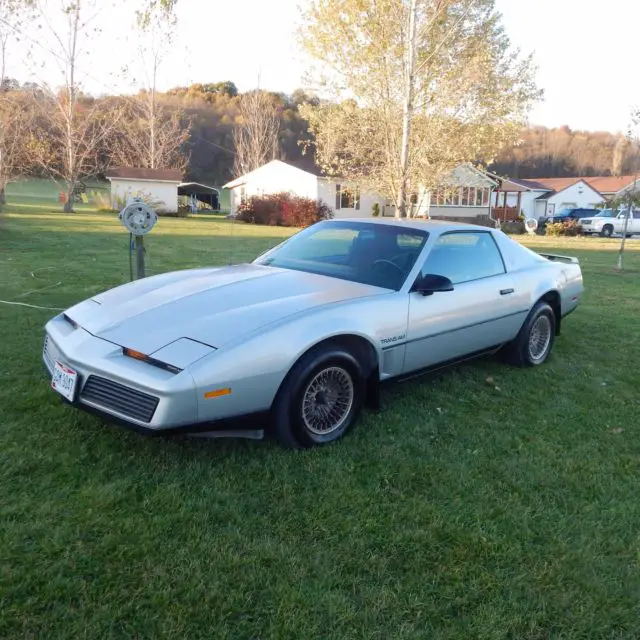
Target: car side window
pixel 636 215
pixel 464 256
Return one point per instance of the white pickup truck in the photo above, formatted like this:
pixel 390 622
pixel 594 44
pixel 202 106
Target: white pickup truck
pixel 608 222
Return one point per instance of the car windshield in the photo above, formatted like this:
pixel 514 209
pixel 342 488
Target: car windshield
pixel 380 254
pixel 606 213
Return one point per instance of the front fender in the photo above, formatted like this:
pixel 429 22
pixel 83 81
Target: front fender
pixel 253 368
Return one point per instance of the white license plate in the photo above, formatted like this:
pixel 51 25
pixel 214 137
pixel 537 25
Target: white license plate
pixel 64 380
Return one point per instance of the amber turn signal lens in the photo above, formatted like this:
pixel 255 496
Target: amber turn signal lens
pixel 135 354
pixel 217 393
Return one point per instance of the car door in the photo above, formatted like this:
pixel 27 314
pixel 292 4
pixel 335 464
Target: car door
pixel 483 310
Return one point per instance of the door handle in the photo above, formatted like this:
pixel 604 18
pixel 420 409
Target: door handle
pixel 506 292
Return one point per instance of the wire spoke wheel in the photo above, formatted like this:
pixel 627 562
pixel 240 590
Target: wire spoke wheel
pixel 540 338
pixel 327 401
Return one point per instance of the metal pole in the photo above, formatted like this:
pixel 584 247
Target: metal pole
pixel 139 257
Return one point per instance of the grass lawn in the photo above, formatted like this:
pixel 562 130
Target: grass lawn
pixel 464 509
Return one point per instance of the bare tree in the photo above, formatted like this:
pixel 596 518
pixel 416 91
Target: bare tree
pixel 13 116
pixel 256 133
pixel 75 126
pixel 16 125
pixel 151 135
pixel 631 199
pixel 13 13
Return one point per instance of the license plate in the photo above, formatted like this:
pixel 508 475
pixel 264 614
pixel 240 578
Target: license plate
pixel 64 380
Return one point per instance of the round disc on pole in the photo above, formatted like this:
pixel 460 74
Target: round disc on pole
pixel 138 218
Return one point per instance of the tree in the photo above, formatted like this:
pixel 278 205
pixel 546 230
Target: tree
pixel 256 134
pixel 631 198
pixel 13 116
pixel 12 15
pixel 422 85
pixel 619 155
pixel 150 135
pixel 16 124
pixel 74 127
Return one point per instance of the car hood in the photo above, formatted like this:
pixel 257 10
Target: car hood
pixel 213 306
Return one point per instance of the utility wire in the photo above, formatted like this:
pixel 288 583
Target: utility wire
pixel 32 306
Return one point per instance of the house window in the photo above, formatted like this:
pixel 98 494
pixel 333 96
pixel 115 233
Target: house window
pixel 347 198
pixel 243 195
pixel 460 197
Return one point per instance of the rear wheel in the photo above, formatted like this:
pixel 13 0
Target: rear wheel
pixel 320 399
pixel 607 231
pixel 533 344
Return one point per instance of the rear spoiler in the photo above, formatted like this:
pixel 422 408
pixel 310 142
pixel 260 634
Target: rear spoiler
pixel 556 258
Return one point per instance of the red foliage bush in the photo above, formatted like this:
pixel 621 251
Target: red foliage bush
pixel 283 210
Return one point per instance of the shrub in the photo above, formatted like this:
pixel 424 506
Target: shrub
pixel 513 227
pixel 375 211
pixel 283 210
pixel 102 201
pixel 569 228
pixel 554 229
pixel 572 228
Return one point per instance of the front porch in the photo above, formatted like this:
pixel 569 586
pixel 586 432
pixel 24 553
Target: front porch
pixel 506 200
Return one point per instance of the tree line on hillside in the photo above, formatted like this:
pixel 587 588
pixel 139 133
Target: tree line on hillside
pixel 562 152
pixel 197 134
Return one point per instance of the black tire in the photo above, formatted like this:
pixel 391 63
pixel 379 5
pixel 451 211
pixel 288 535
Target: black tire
pixel 290 421
pixel 607 231
pixel 521 352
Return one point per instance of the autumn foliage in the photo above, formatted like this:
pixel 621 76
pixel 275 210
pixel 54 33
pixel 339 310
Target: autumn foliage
pixel 283 210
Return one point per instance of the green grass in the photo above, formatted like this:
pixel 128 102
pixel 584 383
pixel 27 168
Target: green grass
pixel 464 509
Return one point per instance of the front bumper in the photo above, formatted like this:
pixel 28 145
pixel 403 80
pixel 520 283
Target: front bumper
pixel 133 394
pixel 122 388
pixel 591 229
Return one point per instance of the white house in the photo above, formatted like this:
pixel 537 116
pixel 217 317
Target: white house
pixel 344 198
pixel 159 187
pixel 546 196
pixel 464 195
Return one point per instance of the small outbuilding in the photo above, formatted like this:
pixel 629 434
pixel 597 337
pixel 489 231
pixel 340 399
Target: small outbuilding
pixel 158 187
pixel 198 193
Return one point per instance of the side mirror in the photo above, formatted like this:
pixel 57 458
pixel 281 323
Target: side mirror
pixel 431 283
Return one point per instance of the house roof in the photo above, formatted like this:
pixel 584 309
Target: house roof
pixel 602 184
pixel 610 184
pixel 135 173
pixel 531 185
pixel 195 187
pixel 240 180
pixel 506 185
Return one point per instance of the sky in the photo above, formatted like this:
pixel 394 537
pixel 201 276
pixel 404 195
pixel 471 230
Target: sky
pixel 585 51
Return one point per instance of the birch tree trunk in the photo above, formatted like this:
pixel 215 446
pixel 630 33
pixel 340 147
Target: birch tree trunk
pixel 407 110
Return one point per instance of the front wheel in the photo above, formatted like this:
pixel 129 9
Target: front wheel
pixel 320 399
pixel 607 231
pixel 533 344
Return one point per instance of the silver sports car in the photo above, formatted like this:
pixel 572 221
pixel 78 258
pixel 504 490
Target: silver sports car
pixel 300 340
